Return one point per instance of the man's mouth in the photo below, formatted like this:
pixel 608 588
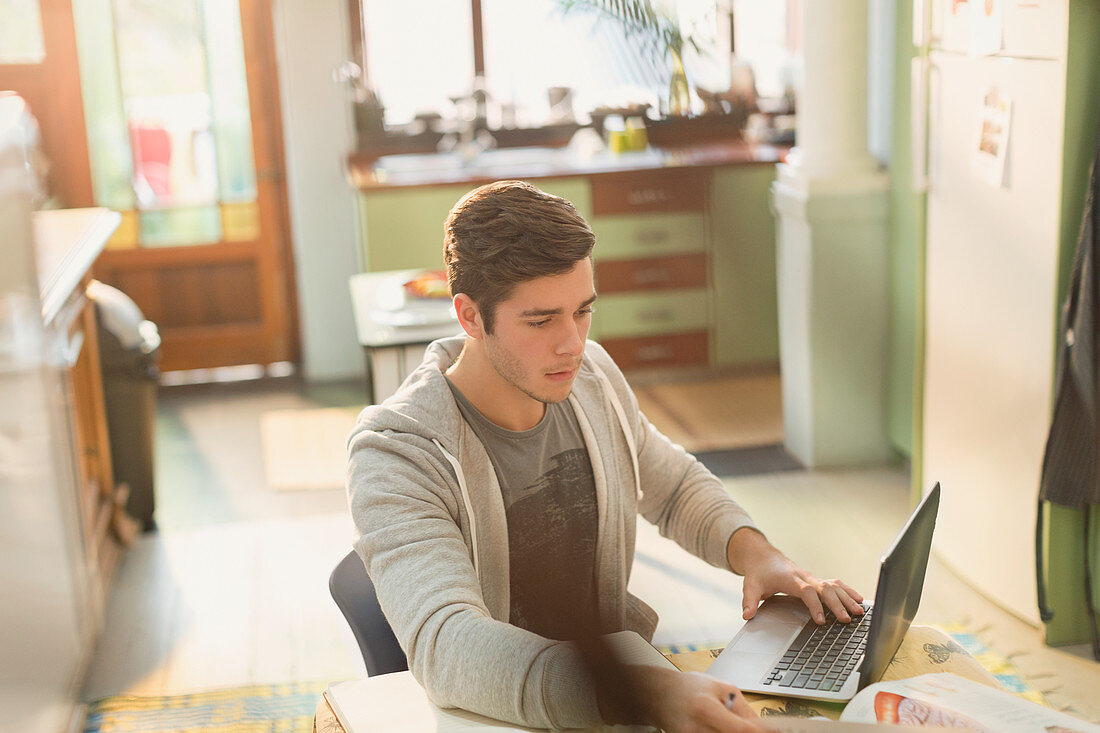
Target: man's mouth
pixel 562 374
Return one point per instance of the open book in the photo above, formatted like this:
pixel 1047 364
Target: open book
pixel 397 702
pixel 951 701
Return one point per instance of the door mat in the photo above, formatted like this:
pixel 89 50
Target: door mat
pixel 715 413
pixel 254 709
pixel 306 449
pixel 749 461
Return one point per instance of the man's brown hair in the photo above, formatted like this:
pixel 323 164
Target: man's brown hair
pixel 506 233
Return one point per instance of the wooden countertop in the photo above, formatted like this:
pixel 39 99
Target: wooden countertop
pixel 67 242
pixel 442 169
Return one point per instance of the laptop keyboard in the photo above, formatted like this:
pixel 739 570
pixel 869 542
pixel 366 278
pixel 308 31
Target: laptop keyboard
pixel 822 657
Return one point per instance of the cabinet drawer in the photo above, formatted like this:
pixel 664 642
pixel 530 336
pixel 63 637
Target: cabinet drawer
pixel 622 237
pixel 679 349
pixel 650 314
pixel 653 273
pixel 641 192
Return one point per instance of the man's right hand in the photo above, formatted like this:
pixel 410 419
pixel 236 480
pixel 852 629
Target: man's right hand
pixel 687 702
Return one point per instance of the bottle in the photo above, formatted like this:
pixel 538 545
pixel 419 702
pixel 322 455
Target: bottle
pixel 636 138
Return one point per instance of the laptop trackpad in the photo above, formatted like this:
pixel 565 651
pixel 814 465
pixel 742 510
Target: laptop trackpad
pixel 776 622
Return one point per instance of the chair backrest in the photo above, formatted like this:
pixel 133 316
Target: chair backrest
pixel 353 592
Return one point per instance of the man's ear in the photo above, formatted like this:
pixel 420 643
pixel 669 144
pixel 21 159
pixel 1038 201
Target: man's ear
pixel 469 316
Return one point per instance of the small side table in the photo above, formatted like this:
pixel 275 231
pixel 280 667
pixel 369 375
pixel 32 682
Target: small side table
pixel 394 329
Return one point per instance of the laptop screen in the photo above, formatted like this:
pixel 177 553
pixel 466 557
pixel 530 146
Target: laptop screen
pixel 900 581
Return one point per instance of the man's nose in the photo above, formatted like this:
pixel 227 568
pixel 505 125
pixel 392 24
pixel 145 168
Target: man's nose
pixel 572 340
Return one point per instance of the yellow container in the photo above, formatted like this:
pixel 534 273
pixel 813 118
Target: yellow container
pixel 636 138
pixel 618 141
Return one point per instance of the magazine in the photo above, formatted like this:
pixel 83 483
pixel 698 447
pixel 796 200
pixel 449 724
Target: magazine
pixel 950 701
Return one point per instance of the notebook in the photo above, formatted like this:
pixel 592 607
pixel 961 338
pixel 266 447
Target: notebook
pixel 781 651
pixel 396 702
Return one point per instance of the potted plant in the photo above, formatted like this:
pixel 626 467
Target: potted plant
pixel 660 29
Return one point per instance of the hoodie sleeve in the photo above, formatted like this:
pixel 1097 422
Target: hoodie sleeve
pixel 403 500
pixel 680 495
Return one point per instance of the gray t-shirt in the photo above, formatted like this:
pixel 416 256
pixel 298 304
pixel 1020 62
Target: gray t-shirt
pixel 549 494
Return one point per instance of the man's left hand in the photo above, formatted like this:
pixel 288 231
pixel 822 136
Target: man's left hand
pixel 768 571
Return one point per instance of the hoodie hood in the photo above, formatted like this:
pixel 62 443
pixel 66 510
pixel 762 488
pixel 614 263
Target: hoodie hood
pixel 423 405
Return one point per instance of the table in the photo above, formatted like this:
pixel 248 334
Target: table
pixel 925 649
pixel 394 329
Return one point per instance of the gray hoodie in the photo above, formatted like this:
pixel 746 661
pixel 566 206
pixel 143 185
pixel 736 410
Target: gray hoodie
pixel 433 535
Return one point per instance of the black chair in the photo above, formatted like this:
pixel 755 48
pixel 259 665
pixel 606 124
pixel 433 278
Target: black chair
pixel 353 592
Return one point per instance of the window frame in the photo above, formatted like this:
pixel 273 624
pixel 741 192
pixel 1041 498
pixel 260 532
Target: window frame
pixel 371 145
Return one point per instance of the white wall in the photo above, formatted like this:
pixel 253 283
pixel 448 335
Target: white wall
pixel 881 31
pixel 311 39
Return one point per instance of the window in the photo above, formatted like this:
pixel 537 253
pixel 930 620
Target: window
pixel 421 57
pixel 761 36
pixel 419 54
pixel 21 40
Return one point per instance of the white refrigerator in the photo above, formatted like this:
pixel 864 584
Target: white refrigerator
pixel 48 613
pixel 991 259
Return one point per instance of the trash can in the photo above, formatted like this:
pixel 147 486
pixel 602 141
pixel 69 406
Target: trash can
pixel 129 347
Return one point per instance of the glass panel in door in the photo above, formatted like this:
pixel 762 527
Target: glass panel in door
pixel 169 130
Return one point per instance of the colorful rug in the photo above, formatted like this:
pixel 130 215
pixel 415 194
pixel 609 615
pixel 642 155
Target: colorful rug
pixel 1001 667
pixel 255 709
pixel 290 708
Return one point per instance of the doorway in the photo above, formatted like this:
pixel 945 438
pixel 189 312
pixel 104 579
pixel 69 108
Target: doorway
pixel 178 103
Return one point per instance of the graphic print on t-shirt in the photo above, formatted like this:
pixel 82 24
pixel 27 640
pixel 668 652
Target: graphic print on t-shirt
pixel 552 539
pixel 549 494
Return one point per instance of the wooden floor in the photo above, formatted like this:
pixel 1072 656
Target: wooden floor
pixel 232 589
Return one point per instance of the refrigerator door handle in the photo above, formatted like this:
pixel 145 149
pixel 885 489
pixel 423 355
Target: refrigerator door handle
pixel 918 122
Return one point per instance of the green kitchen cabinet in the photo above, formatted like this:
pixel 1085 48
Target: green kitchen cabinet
pixel 650 314
pixel 648 235
pixel 402 228
pixel 684 257
pixel 745 300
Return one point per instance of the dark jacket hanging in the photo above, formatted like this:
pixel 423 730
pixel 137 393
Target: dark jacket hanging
pixel 1070 464
pixel 1069 476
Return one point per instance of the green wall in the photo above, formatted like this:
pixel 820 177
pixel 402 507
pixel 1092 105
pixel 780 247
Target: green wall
pixel 907 209
pixel 1065 536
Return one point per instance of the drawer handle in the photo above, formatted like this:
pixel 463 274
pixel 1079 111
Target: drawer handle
pixel 642 196
pixel 654 352
pixel 656 314
pixel 652 236
pixel 652 276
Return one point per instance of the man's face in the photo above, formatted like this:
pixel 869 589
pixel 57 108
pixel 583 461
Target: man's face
pixel 539 333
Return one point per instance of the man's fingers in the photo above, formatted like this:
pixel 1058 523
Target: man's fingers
pixel 852 592
pixel 839 598
pixel 813 603
pixel 750 601
pixel 852 605
pixel 838 604
pixel 736 703
pixel 735 715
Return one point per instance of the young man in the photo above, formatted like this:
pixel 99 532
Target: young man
pixel 496 492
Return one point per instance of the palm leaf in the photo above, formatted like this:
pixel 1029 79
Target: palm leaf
pixel 637 18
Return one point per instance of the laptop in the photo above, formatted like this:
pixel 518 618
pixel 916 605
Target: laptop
pixel 781 651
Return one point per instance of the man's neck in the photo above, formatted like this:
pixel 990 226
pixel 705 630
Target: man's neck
pixel 494 397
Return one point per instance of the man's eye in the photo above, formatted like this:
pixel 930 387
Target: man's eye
pixel 538 324
pixel 585 311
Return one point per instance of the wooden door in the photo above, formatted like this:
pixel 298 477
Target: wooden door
pixel 38 61
pixel 204 244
